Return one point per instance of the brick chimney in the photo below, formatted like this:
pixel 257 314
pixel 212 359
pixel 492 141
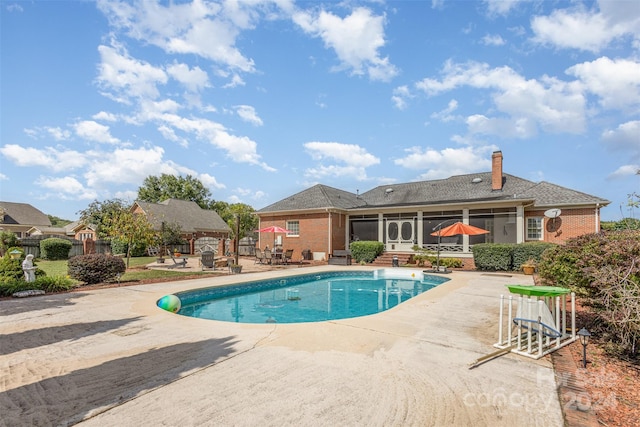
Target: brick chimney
pixel 496 171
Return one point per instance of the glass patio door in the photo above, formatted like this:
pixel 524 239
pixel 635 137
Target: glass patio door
pixel 400 235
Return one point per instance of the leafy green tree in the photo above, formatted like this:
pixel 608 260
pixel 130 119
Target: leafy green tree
pixel 58 222
pixel 130 228
pixel 155 189
pixel 99 214
pixel 7 240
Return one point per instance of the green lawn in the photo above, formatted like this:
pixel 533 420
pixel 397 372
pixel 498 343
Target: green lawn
pixel 59 268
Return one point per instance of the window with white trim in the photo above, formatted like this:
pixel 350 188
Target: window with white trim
pixel 534 228
pixel 294 227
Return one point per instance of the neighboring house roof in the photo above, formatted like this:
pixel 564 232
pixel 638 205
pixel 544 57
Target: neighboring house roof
pixel 22 214
pixel 75 226
pixel 468 188
pixel 59 231
pixel 189 215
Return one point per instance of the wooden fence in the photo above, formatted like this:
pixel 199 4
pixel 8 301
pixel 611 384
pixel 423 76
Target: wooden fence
pixel 31 245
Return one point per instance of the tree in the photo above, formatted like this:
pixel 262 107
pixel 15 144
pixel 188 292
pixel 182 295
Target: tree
pixel 130 228
pixel 58 222
pixel 155 189
pixel 99 214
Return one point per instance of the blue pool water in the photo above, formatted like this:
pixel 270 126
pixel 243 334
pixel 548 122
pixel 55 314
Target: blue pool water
pixel 309 297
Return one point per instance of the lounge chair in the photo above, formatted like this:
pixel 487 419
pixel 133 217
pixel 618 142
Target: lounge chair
pixel 208 260
pixel 177 262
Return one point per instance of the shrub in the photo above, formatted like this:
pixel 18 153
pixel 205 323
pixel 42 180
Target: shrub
pixel 8 241
pixel 47 284
pixel 605 269
pixel 524 252
pixel 95 268
pixel 55 248
pixel 493 256
pixel 366 251
pixel 120 247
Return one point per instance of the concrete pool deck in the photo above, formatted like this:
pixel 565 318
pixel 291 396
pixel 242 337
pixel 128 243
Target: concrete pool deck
pixel 110 357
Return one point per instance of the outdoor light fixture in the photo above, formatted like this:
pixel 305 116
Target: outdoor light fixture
pixel 584 340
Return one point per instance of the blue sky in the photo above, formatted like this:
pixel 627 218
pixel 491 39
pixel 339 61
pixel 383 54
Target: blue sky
pixel 262 99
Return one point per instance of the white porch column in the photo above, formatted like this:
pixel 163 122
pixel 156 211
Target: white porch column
pixel 519 224
pixel 465 237
pixel 419 229
pixel 381 228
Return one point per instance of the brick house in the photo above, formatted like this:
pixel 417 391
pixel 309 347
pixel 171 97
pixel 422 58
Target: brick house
pixel 323 219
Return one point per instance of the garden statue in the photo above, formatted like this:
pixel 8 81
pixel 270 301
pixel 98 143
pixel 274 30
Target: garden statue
pixel 29 269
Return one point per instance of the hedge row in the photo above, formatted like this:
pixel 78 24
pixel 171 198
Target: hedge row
pixel 507 256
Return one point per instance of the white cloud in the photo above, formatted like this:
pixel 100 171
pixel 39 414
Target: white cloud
pixel 205 29
pixel 615 81
pixel 67 188
pixel 356 40
pixel 625 137
pixel 447 162
pixel 3 177
pixel 209 181
pixel 500 7
pixel 248 114
pixel 625 171
pixel 523 105
pixel 353 160
pixel 400 96
pixel 124 77
pixel 194 79
pixel 493 40
pixel 94 131
pixel 126 166
pixel 105 117
pixel 48 157
pixel 58 134
pixel 239 148
pixel 446 114
pixel 589 30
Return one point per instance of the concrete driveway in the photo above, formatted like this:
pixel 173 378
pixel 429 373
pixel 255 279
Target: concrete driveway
pixel 111 358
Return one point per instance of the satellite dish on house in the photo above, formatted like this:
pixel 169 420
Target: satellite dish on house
pixel 552 213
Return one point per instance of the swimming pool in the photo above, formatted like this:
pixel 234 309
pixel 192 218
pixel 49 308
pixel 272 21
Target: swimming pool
pixel 308 297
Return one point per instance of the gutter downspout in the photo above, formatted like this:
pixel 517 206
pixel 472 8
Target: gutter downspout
pixel 597 217
pixel 329 232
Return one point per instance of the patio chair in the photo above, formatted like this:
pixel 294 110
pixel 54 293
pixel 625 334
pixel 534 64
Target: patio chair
pixel 259 257
pixel 286 257
pixel 268 256
pixel 208 260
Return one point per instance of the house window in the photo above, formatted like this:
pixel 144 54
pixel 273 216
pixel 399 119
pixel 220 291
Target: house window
pixel 534 228
pixel 294 227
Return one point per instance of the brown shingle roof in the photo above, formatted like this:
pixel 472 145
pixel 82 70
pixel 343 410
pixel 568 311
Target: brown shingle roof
pixel 23 214
pixel 456 189
pixel 187 214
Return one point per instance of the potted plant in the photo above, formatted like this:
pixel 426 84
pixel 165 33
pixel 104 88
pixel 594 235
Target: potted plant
pixel 176 253
pixel 529 266
pixel 236 269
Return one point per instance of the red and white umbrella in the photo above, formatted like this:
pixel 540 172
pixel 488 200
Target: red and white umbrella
pixel 273 229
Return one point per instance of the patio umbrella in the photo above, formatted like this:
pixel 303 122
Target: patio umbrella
pixel 273 229
pixel 453 230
